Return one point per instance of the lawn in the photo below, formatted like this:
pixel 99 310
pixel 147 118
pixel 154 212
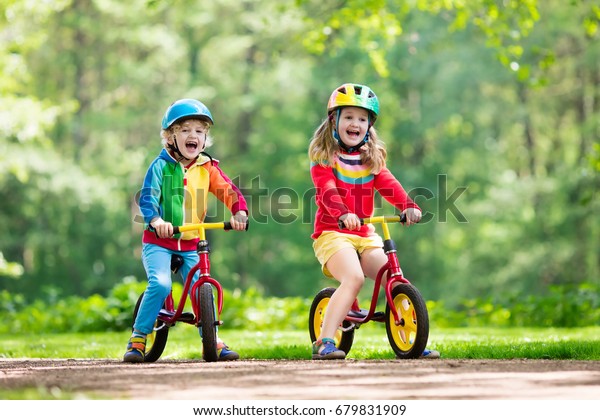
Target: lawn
pixel 370 342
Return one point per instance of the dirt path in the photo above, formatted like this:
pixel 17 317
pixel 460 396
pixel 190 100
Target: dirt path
pixel 296 380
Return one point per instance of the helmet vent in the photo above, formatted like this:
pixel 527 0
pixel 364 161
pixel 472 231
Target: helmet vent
pixel 357 90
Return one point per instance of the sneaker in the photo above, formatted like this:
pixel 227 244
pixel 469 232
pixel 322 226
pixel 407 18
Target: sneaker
pixel 430 354
pixel 225 353
pixel 135 350
pixel 325 349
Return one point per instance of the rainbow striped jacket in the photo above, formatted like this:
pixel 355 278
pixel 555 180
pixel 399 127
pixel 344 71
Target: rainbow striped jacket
pixel 179 194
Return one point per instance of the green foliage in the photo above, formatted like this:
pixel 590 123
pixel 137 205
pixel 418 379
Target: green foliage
pixel 251 310
pixel 242 310
pixel 565 306
pixel 72 314
pixel 495 136
pixel 379 24
pixel 10 269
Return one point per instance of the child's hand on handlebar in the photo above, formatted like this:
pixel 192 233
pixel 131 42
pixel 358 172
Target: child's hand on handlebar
pixel 351 221
pixel 163 229
pixel 412 216
pixel 239 220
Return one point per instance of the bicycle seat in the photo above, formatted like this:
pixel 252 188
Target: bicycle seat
pixel 176 262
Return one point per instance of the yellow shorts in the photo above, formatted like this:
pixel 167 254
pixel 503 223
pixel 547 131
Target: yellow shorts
pixel 330 242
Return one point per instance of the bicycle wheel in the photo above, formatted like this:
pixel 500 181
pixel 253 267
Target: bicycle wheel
pixel 156 340
pixel 208 325
pixel 343 339
pixel 409 339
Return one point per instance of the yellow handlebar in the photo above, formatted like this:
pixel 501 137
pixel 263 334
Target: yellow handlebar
pixel 398 218
pixel 384 220
pixel 201 226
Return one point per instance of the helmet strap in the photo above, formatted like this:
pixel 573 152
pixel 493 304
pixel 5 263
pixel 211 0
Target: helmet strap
pixel 173 147
pixel 208 156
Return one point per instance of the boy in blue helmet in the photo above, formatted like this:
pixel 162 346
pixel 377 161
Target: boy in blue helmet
pixel 175 191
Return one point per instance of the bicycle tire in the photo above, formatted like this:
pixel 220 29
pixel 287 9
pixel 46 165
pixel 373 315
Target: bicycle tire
pixel 156 340
pixel 343 339
pixel 409 339
pixel 208 326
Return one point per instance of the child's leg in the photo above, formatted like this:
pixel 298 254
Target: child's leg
pixel 371 261
pixel 157 262
pixel 345 267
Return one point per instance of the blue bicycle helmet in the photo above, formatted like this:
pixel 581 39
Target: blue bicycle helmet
pixel 184 109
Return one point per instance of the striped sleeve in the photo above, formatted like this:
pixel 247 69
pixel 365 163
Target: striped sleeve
pixel 390 188
pixel 225 190
pixel 151 191
pixel 327 194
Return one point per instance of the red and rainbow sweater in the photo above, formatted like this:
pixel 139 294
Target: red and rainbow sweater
pixel 348 186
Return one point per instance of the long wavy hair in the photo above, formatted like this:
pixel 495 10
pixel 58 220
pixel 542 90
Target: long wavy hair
pixel 323 147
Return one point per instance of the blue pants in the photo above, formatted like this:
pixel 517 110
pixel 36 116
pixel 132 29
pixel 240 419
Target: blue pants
pixel 157 262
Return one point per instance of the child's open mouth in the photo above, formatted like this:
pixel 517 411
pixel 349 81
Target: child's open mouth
pixel 353 133
pixel 191 146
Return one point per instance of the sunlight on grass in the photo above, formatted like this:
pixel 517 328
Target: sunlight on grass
pixel 370 342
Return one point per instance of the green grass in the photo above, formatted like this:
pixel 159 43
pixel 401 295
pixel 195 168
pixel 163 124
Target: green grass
pixel 370 342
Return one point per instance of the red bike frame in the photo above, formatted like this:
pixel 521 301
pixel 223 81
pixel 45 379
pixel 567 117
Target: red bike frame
pixel 203 265
pixel 392 266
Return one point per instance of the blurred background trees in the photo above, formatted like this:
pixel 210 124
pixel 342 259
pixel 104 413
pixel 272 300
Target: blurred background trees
pixel 490 113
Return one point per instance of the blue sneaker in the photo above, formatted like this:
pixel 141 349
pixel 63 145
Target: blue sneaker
pixel 225 353
pixel 430 354
pixel 135 350
pixel 325 349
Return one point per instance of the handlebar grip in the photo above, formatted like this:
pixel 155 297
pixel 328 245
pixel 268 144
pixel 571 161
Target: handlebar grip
pixel 342 226
pixel 362 221
pixel 227 225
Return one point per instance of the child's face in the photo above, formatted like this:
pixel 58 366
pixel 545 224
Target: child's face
pixel 190 136
pixel 353 125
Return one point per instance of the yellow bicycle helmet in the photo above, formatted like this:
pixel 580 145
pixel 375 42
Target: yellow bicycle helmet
pixel 351 94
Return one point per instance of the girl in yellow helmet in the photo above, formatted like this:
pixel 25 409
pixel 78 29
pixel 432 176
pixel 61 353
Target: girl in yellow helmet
pixel 347 167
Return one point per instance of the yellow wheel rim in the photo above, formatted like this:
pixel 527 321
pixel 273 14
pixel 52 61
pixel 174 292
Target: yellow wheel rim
pixel 320 316
pixel 404 335
pixel 150 339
